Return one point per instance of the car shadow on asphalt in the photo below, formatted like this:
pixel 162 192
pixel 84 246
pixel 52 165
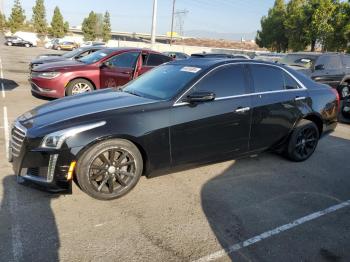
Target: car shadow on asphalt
pixel 28 227
pixel 8 84
pixel 255 195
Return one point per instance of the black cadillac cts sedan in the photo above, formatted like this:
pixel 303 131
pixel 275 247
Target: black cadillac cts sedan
pixel 185 112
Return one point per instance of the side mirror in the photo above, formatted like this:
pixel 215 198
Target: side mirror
pixel 200 97
pixel 319 67
pixel 105 64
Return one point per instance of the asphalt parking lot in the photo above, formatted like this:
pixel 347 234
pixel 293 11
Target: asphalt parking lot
pixel 263 208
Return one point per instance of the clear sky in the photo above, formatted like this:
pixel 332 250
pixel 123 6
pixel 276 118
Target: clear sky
pixel 224 16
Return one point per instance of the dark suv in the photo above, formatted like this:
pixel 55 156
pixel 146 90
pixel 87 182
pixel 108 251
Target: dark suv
pixel 328 68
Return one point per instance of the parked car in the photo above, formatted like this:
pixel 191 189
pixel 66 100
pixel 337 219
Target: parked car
pixel 111 67
pixel 176 55
pixel 269 57
pixel 65 45
pixel 219 55
pixel 183 113
pixel 71 55
pixel 17 41
pixel 328 68
pixel 92 43
pixel 51 43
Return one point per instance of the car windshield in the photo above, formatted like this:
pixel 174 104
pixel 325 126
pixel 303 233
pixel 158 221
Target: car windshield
pixel 96 56
pixel 299 60
pixel 164 82
pixel 72 53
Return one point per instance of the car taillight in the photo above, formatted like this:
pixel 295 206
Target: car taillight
pixel 337 96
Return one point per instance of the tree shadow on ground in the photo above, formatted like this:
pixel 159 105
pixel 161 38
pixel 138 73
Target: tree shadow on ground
pixel 258 194
pixel 27 224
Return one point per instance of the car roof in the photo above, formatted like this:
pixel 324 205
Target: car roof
pixel 125 49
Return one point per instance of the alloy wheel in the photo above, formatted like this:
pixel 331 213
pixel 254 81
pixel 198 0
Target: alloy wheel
pixel 112 171
pixel 306 142
pixel 79 88
pixel 345 91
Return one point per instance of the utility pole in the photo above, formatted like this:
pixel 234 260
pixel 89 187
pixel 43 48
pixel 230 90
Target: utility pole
pixel 154 21
pixel 172 23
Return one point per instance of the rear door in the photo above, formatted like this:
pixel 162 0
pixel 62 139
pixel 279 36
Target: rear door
pixel 118 70
pixel 277 103
pixel 213 130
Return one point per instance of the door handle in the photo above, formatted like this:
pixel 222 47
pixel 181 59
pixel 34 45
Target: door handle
pixel 242 109
pixel 299 98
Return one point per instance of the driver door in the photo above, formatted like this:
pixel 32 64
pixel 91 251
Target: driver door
pixel 118 70
pixel 215 129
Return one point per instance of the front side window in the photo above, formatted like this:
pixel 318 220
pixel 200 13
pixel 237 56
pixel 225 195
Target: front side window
pixel 329 62
pixel 224 81
pixel 267 78
pixel 156 59
pixel 125 60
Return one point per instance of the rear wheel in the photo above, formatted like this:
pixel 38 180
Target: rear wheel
pixel 58 48
pixel 109 169
pixel 9 43
pixel 79 86
pixel 303 141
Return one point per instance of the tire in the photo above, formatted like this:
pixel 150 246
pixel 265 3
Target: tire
pixel 79 86
pixel 303 141
pixel 58 48
pixel 9 43
pixel 27 45
pixel 123 169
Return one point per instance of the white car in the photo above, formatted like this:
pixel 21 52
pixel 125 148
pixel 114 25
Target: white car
pixel 92 43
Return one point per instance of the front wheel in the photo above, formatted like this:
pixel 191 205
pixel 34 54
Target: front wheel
pixel 109 169
pixel 303 141
pixel 27 45
pixel 9 43
pixel 79 86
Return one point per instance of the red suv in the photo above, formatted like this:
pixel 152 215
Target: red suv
pixel 110 67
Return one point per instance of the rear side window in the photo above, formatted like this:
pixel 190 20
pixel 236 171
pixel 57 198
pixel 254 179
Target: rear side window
pixel 156 59
pixel 267 78
pixel 289 82
pixel 224 81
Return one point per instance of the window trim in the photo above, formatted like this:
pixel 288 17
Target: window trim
pixel 301 86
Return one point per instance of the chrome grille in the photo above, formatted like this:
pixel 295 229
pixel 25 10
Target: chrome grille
pixel 18 134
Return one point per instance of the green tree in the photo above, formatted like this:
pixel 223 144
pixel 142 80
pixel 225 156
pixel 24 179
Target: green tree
pixel 57 24
pixel 66 27
pixel 89 27
pixel 296 24
pixel 273 34
pixel 106 30
pixel 2 22
pixel 17 17
pixel 39 17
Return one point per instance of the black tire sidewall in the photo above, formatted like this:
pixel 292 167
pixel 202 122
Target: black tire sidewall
pixel 87 157
pixel 302 125
pixel 71 84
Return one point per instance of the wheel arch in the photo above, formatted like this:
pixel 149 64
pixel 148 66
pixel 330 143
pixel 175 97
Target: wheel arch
pixel 141 148
pixel 79 77
pixel 315 119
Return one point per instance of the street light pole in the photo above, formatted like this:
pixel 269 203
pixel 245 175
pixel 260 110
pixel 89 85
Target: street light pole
pixel 172 23
pixel 154 21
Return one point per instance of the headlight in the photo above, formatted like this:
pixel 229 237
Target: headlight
pixel 48 75
pixel 56 139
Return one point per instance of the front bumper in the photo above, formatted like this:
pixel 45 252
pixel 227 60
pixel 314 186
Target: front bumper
pixel 48 168
pixel 54 88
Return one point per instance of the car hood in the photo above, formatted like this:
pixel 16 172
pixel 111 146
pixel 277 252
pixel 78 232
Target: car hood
pixel 59 66
pixel 86 106
pixel 48 59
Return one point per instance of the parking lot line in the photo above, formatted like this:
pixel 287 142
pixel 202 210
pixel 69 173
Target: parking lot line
pixel 270 233
pixel 6 131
